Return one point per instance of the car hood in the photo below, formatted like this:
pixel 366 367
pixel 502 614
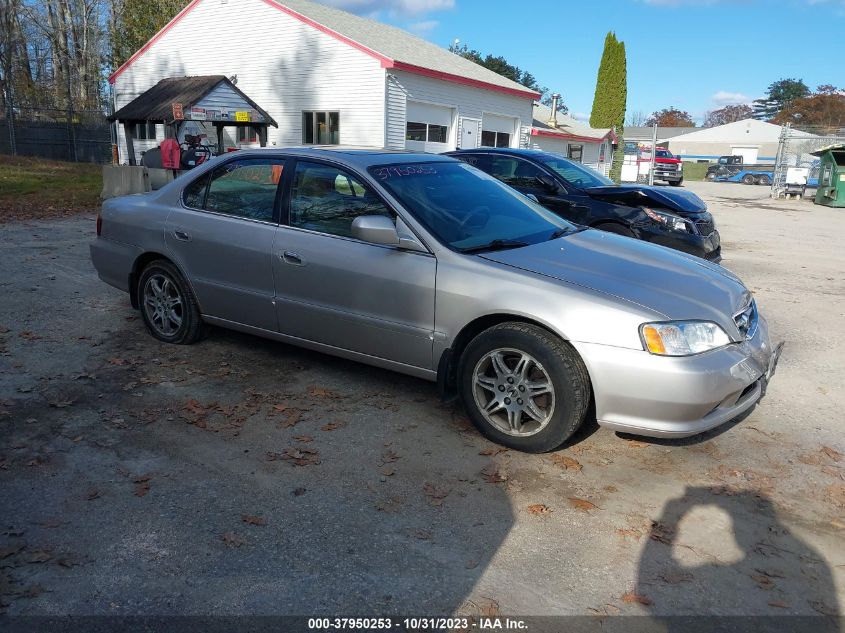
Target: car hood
pixel 678 200
pixel 673 284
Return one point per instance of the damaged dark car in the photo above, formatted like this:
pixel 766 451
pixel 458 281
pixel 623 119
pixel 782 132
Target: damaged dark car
pixel 670 217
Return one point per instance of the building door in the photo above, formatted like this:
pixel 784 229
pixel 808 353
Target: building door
pixel 749 154
pixel 469 133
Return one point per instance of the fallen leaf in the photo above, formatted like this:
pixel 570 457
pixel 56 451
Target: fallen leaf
pixel 635 598
pixel 298 492
pixel 495 450
pixel 387 471
pixel 423 535
pixel 471 564
pixel 321 392
pixel 661 533
pixel 539 508
pixel 832 454
pixel 811 459
pixel 780 604
pixel 629 533
pixel 674 578
pixel 250 519
pixel 92 494
pixel 301 456
pixel 331 426
pixel 30 336
pixel 833 471
pixel 582 504
pixel 763 581
pixel 435 493
pixel 233 540
pixel 835 494
pixel 494 474
pixel 39 556
pixel 566 462
pixel 388 457
pixel 303 438
pixel 638 444
pixel 142 489
pixel 139 479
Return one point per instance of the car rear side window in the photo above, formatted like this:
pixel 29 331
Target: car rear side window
pixel 243 188
pixel 515 171
pixel 327 199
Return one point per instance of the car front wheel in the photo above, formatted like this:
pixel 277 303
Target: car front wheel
pixel 523 387
pixel 168 306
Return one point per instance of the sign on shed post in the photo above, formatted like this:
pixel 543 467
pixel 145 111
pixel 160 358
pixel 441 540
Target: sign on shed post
pixel 178 113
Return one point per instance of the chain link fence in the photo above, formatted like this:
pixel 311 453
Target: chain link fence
pixel 794 157
pixel 56 134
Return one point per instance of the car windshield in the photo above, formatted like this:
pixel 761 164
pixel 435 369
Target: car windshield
pixel 574 173
pixel 466 209
pixel 664 153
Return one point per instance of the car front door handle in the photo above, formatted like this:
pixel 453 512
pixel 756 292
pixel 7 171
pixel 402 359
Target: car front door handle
pixel 289 257
pixel 179 234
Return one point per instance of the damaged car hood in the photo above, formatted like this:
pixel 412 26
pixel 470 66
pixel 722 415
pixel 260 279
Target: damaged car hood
pixel 679 200
pixel 674 284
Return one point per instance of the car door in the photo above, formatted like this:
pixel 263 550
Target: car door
pixel 221 236
pixel 334 289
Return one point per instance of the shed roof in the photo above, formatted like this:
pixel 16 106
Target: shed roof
pixel 394 47
pixel 640 133
pixel 567 127
pixel 156 104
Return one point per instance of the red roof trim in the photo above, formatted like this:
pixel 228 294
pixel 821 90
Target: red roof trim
pixel 574 137
pixel 153 40
pixel 458 79
pixel 386 62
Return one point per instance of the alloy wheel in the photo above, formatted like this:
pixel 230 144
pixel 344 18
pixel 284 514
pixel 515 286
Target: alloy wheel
pixel 513 392
pixel 163 304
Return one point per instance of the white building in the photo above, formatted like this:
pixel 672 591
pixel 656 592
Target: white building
pixel 330 77
pixel 756 141
pixel 574 139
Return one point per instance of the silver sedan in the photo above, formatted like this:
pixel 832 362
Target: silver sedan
pixel 424 265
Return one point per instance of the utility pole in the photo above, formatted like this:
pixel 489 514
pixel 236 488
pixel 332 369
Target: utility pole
pixel 653 165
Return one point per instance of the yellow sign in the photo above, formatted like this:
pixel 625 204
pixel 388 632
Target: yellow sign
pixel 241 116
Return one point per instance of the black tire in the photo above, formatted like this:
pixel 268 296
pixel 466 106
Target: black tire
pixel 676 183
pixel 566 373
pixel 613 227
pixel 190 328
pixel 765 180
pixel 748 179
pixel 711 176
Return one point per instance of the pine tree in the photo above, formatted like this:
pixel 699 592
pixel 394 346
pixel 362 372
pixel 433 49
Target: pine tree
pixel 611 96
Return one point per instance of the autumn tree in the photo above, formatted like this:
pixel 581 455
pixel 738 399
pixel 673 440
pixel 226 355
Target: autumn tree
pixel 728 114
pixel 502 66
pixel 779 96
pixel 611 96
pixel 671 117
pixel 824 111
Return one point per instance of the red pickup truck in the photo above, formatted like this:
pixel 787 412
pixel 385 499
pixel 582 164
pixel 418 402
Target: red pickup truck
pixel 668 168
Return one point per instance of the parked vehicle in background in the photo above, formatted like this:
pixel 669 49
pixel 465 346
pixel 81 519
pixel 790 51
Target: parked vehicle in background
pixel 422 264
pixel 636 165
pixel 677 219
pixel 733 169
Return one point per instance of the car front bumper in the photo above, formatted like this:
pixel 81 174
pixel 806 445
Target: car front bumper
pixel 708 247
pixel 659 396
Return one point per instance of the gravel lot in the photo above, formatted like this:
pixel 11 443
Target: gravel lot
pixel 241 476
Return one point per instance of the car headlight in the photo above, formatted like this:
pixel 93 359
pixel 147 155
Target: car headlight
pixel 682 338
pixel 669 220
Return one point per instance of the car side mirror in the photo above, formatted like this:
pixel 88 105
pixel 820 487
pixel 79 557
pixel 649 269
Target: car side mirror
pixel 547 182
pixel 375 229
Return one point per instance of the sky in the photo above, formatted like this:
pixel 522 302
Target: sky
pixel 695 55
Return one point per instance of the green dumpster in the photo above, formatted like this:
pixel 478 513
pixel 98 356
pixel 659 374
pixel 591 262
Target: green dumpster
pixel 831 191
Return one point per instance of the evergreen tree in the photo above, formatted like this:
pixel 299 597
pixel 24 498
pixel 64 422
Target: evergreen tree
pixel 779 97
pixel 134 22
pixel 611 96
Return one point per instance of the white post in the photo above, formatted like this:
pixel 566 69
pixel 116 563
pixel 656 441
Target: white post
pixel 653 154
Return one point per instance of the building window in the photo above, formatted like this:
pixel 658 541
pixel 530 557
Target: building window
pixel 247 134
pixel 603 152
pixel 495 139
pixel 575 152
pixel 144 131
pixel 423 132
pixel 321 128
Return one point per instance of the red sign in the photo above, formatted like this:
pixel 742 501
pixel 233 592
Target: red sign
pixel 178 115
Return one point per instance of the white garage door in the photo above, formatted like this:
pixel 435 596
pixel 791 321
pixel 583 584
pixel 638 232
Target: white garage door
pixel 428 127
pixel 749 154
pixel 497 131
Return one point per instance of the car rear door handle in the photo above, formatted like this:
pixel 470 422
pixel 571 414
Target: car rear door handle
pixel 179 234
pixel 289 257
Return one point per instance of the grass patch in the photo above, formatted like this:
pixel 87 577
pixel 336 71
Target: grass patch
pixel 38 188
pixel 695 171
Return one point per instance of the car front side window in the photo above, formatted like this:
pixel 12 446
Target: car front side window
pixel 327 199
pixel 243 188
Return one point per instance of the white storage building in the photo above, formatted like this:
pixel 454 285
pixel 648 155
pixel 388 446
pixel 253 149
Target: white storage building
pixel 329 77
pixel 561 134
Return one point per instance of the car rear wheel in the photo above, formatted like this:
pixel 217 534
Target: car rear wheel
pixel 765 180
pixel 523 387
pixel 618 229
pixel 748 179
pixel 168 306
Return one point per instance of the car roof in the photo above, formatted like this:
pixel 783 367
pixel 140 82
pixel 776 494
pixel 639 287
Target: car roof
pixel 361 157
pixel 527 153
